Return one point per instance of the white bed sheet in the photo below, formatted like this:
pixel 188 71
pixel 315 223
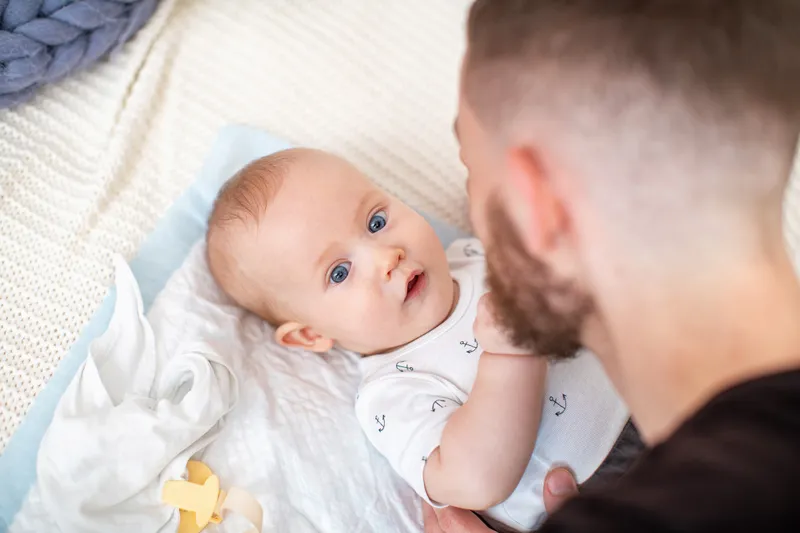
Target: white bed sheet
pixel 93 162
pixel 293 439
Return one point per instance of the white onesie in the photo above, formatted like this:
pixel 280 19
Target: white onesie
pixel 407 396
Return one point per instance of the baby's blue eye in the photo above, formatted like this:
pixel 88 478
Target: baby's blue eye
pixel 377 222
pixel 339 274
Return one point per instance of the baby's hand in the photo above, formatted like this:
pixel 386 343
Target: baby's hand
pixel 489 335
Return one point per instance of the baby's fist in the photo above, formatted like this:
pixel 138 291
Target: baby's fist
pixel 491 337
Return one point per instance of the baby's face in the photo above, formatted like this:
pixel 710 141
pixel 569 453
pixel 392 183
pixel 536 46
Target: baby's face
pixel 349 261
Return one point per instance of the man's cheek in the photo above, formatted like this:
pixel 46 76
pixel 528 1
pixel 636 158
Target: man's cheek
pixel 477 217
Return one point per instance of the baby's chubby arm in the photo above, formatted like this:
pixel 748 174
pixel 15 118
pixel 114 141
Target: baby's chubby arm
pixel 487 443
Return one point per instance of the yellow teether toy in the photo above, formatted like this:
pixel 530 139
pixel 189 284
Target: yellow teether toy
pixel 200 500
pixel 197 499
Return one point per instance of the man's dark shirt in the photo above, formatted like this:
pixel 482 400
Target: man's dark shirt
pixel 733 466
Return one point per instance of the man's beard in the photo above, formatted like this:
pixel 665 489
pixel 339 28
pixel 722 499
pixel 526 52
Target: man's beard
pixel 538 310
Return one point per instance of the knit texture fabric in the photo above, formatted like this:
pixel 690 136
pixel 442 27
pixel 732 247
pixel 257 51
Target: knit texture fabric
pixel 42 41
pixel 91 163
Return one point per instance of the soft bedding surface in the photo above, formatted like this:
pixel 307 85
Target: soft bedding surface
pixel 291 440
pixel 89 166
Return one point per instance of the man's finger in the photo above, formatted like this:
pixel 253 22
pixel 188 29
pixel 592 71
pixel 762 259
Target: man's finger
pixel 559 486
pixel 454 520
pixel 430 520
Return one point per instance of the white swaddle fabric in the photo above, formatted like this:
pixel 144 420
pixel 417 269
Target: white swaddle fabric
pixel 292 441
pixel 129 421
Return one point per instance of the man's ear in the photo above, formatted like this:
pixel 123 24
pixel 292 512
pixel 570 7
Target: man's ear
pixel 537 208
pixel 296 335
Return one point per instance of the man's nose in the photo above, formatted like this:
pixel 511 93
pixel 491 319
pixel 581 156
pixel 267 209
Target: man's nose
pixel 387 260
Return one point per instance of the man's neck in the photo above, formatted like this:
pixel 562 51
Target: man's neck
pixel 681 345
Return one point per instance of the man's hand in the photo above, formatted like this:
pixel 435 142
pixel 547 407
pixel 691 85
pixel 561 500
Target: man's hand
pixel 559 486
pixel 451 520
pixel 489 334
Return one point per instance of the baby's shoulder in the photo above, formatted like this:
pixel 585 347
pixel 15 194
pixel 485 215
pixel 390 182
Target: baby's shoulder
pixel 467 262
pixel 465 249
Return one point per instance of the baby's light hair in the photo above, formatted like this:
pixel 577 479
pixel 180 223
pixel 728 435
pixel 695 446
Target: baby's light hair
pixel 241 203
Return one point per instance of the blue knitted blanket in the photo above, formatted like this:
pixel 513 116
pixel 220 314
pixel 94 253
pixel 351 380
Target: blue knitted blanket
pixel 44 40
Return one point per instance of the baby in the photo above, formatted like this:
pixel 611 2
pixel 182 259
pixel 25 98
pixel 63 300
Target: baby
pixel 307 242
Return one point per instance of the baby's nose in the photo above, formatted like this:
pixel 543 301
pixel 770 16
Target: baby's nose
pixel 388 259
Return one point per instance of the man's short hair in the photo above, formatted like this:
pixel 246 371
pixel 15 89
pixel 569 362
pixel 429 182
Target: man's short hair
pixel 631 88
pixel 732 55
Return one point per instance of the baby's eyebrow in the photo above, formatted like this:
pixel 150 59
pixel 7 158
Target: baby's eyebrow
pixel 323 259
pixel 364 206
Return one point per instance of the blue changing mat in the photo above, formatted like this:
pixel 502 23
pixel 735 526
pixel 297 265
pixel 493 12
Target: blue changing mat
pixel 162 252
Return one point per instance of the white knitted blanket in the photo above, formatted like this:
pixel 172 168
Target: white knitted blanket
pixel 87 168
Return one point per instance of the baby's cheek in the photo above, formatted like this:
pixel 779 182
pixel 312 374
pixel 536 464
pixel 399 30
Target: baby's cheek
pixel 334 312
pixel 367 308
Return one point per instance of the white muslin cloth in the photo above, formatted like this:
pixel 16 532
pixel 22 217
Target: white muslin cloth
pixel 130 421
pixel 292 441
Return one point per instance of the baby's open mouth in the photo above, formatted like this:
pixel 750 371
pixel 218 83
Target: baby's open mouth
pixel 415 284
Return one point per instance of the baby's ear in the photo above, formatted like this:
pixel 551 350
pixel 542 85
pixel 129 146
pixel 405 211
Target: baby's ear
pixel 296 335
